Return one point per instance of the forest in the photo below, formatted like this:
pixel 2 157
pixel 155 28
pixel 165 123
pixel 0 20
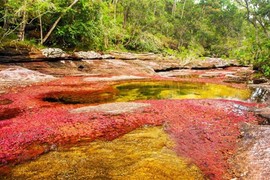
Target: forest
pixel 235 29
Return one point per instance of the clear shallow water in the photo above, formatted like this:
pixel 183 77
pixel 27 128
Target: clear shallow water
pixel 177 90
pixel 141 154
pixel 145 90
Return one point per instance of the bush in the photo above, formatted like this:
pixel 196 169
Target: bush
pixel 146 42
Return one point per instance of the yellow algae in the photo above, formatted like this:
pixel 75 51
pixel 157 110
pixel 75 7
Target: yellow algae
pixel 177 90
pixel 142 154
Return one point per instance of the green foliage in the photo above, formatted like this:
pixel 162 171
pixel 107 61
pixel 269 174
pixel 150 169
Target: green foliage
pixel 187 29
pixel 146 42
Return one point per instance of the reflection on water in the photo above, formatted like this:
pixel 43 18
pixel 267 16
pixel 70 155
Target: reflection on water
pixel 142 154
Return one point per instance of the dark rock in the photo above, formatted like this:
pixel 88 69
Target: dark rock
pixel 264 113
pixel 259 80
pixel 81 67
pixel 235 79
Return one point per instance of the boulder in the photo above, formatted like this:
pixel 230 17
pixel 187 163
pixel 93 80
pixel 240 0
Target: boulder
pixel 259 80
pixel 54 53
pixel 260 94
pixel 92 55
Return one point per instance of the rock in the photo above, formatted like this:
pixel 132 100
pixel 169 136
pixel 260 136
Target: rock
pixel 264 113
pixel 184 73
pixel 13 53
pixel 113 78
pixel 21 75
pixel 54 53
pixel 124 56
pixel 113 108
pixel 260 94
pixel 107 56
pixel 133 56
pixel 252 158
pixel 211 63
pixel 148 56
pixel 235 79
pixel 88 55
pixel 210 75
pixel 259 80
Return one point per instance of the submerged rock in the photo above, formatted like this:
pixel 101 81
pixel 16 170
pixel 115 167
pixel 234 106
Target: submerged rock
pixel 113 108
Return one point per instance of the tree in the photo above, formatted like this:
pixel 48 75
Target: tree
pixel 257 13
pixel 57 21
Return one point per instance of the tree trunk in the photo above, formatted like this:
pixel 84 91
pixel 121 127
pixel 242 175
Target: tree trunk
pixel 182 15
pixel 174 7
pixel 21 33
pixel 126 14
pixel 57 21
pixel 5 25
pixel 40 27
pixel 115 9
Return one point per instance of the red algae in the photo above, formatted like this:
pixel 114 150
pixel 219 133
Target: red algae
pixel 204 131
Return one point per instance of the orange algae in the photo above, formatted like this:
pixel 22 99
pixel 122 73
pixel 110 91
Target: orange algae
pixel 141 154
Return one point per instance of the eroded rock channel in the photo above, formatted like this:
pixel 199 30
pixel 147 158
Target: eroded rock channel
pixel 118 119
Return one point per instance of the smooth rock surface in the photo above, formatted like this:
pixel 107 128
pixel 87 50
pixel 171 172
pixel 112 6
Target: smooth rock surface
pixel 113 78
pixel 253 156
pixel 19 74
pixel 113 108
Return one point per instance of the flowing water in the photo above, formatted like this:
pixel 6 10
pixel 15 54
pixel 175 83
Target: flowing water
pixel 145 153
pixel 141 154
pixel 131 91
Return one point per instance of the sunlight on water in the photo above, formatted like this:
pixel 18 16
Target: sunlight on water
pixel 132 91
pixel 177 90
pixel 142 154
